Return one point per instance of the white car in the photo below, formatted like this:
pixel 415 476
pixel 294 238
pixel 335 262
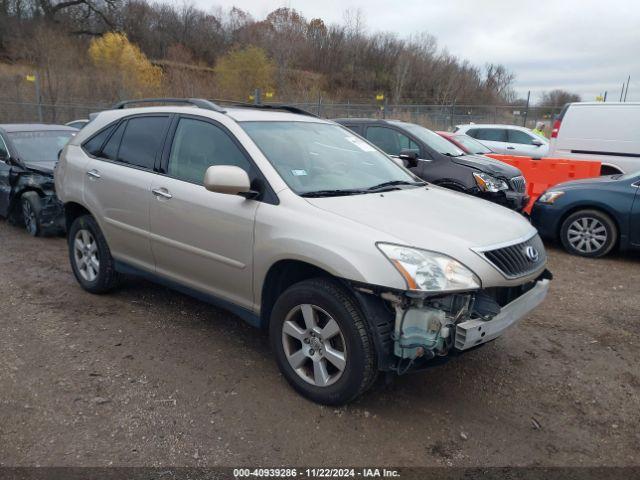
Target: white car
pixel 507 139
pixel 608 132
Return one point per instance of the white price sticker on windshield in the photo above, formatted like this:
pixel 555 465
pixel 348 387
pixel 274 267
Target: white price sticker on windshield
pixel 361 144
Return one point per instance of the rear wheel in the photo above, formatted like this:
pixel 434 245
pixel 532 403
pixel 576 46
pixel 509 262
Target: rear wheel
pixel 321 342
pixel 91 260
pixel 589 233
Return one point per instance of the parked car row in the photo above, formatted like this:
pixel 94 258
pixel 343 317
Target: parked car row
pixel 323 233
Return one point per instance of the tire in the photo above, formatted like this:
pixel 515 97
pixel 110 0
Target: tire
pixel 333 309
pixel 589 233
pixel 30 206
pixel 90 257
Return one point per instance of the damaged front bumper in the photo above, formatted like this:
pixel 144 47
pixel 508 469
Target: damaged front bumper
pixel 472 333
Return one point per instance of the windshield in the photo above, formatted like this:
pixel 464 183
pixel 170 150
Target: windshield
pixel 432 139
pixel 42 146
pixel 323 157
pixel 473 146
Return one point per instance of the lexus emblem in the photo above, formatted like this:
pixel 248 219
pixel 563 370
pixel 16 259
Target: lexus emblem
pixel 532 254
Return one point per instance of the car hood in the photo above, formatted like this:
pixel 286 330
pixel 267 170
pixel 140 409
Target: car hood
pixel 596 182
pixel 488 165
pixel 44 167
pixel 432 218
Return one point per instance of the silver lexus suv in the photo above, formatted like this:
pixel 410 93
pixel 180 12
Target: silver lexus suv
pixel 299 226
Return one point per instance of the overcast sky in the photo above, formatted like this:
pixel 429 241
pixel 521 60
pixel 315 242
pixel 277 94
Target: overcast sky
pixel 585 46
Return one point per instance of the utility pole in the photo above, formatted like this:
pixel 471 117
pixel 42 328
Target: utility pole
pixel 38 97
pixel 604 100
pixel 526 110
pixel 256 96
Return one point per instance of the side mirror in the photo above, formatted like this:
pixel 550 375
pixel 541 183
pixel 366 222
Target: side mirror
pixel 536 142
pixel 409 158
pixel 228 179
pixel 4 156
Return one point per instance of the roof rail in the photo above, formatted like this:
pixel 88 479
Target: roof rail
pixel 196 102
pixel 276 106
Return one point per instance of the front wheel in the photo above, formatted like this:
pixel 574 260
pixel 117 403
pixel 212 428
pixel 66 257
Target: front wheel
pixel 91 260
pixel 589 233
pixel 30 205
pixel 321 342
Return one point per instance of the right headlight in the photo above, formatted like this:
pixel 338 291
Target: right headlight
pixel 487 183
pixel 428 271
pixel 550 196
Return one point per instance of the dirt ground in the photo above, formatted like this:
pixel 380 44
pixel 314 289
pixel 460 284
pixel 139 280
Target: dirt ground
pixel 147 376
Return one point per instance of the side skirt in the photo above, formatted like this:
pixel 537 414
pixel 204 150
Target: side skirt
pixel 247 315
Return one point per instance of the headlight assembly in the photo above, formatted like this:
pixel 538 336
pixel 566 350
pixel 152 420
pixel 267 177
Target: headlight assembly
pixel 487 183
pixel 550 196
pixel 428 271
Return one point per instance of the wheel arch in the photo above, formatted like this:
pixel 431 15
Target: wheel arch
pixel 609 169
pixel 280 276
pixel 14 211
pixel 73 210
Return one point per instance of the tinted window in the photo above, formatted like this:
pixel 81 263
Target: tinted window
pixel 490 134
pixel 110 150
pixel 93 146
pixel 141 141
pixel 197 145
pixel 389 140
pixel 516 136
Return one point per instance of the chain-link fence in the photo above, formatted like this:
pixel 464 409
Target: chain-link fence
pixel 436 117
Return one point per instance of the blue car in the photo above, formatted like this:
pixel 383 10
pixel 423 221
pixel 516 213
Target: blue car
pixel 590 217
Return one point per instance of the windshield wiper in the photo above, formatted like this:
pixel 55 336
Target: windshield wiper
pixel 332 193
pixel 395 183
pixel 452 155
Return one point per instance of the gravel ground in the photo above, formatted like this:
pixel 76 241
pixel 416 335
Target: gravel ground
pixel 149 377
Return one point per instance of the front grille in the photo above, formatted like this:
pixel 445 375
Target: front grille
pixel 518 184
pixel 520 259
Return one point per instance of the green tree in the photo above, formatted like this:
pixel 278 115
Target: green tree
pixel 241 71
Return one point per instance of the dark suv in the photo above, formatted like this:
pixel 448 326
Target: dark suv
pixel 438 161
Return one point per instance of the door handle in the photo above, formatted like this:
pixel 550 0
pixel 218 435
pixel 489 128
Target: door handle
pixel 162 192
pixel 511 148
pixel 93 173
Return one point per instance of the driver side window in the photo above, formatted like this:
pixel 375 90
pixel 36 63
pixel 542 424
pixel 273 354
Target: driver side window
pixel 197 145
pixel 389 140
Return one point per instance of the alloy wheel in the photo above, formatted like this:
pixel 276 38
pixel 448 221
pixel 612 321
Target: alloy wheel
pixel 85 252
pixel 587 235
pixel 29 217
pixel 314 345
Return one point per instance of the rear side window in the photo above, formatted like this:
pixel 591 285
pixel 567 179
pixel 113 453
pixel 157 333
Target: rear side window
pixel 141 141
pixel 94 145
pixel 516 136
pixel 490 134
pixel 110 150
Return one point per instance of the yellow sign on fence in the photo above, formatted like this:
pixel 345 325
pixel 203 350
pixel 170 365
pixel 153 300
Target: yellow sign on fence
pixel 380 96
pixel 31 78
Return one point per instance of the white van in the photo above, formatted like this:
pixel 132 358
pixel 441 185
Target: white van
pixel 608 132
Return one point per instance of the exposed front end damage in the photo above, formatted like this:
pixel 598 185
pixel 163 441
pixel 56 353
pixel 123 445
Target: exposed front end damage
pixel 50 210
pixel 422 329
